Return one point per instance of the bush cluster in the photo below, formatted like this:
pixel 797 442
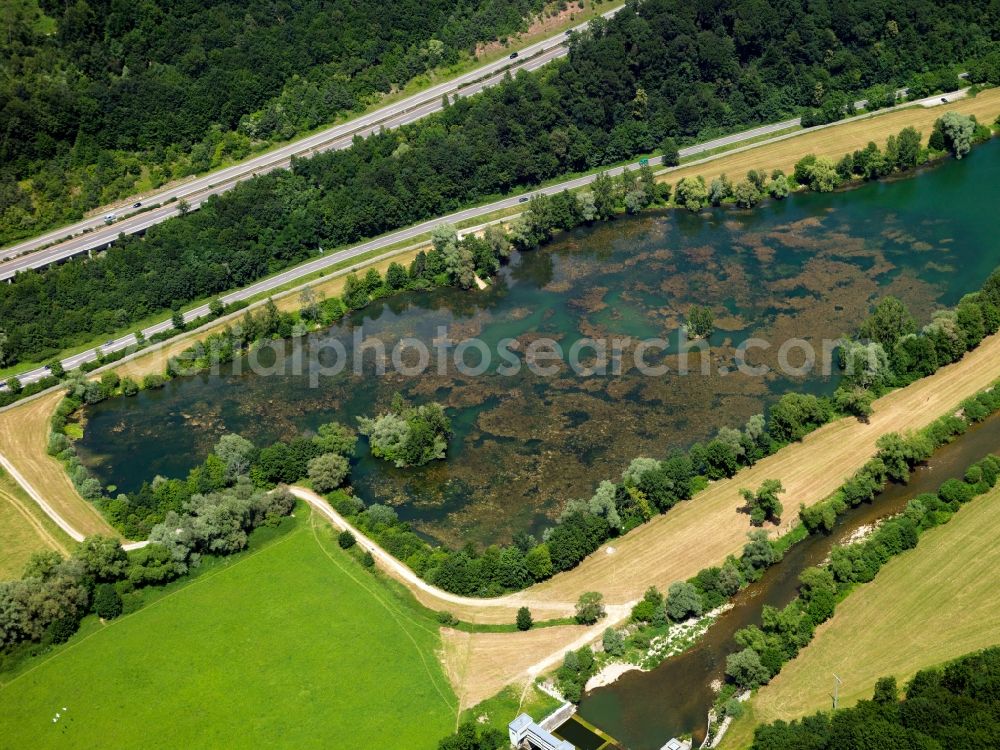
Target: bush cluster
pixel 46 605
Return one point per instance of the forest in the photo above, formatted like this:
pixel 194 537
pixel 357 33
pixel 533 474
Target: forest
pixel 101 97
pixel 656 74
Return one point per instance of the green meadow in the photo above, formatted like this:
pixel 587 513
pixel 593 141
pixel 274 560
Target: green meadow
pixel 290 644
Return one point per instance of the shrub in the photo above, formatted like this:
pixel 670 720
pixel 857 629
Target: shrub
pixel 107 602
pixel 346 540
pixel 954 490
pixel 447 618
pixel 61 630
pixel 524 620
pixel 683 601
pixel 614 644
pixel 328 471
pixel 589 608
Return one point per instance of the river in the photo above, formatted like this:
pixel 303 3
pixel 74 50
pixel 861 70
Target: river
pixel 643 710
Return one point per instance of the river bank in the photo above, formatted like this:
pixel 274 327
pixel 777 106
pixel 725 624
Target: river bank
pixel 641 708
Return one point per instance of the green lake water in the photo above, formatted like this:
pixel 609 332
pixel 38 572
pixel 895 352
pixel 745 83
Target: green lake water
pixel 809 267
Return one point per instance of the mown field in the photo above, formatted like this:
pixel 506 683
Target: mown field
pixel 291 645
pixel 24 435
pixel 24 529
pixel 925 607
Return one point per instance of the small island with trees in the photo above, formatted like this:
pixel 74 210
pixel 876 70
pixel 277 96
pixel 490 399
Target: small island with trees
pixel 408 435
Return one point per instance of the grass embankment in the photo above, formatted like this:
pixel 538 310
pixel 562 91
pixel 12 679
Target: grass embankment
pixel 925 607
pixel 290 644
pixel 24 529
pixel 24 434
pixel 482 664
pixel 703 531
pixel 509 703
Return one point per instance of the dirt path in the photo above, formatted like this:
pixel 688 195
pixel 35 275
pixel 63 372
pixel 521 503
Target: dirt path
pixel 496 610
pixel 671 547
pixel 23 529
pixel 481 664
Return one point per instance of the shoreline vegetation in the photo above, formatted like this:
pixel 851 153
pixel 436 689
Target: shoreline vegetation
pixel 870 165
pixel 940 595
pixel 659 624
pixel 760 652
pixel 407 435
pixel 950 336
pixel 238 474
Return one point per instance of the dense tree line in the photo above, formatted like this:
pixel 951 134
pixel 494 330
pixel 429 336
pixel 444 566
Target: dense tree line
pixel 889 350
pixel 660 72
pixel 895 457
pixel 764 649
pixel 174 88
pixel 957 705
pixel 647 487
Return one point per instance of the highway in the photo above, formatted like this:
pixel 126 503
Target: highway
pixel 409 233
pixel 93 233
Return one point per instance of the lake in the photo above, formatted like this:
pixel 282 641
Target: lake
pixel 806 268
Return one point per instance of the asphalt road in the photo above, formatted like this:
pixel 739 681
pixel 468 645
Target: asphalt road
pixel 385 241
pixel 94 233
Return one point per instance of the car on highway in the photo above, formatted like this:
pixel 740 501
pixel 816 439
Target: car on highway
pixel 110 218
pixel 513 55
pixel 137 204
pixel 523 199
pixel 944 99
